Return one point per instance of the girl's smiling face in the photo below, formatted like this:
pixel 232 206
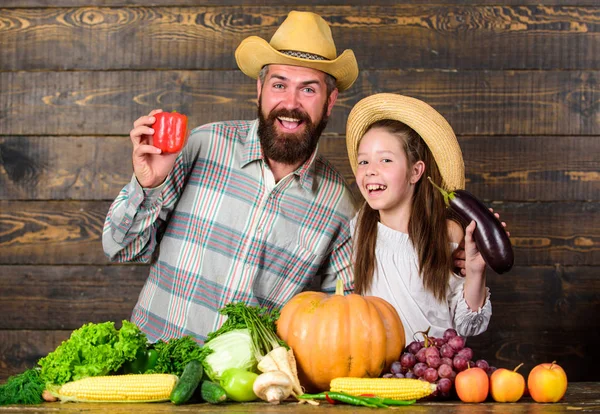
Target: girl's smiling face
pixel 384 175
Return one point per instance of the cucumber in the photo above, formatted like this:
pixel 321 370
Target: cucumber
pixel 212 392
pixel 188 382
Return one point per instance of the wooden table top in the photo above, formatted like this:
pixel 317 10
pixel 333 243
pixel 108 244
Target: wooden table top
pixel 580 397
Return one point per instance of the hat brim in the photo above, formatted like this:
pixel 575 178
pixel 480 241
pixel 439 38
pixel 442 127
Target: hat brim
pixel 254 53
pixel 424 119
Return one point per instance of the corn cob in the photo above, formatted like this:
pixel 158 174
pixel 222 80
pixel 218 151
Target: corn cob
pixel 120 388
pixel 402 389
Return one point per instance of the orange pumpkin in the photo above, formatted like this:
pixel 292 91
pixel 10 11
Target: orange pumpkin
pixel 340 336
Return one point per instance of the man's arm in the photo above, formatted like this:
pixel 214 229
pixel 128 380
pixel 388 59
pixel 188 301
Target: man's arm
pixel 135 217
pixel 338 265
pixel 131 226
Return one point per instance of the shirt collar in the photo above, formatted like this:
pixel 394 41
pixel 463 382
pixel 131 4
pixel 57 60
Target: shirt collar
pixel 305 173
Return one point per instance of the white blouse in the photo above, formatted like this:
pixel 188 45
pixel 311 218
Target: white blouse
pixel 397 280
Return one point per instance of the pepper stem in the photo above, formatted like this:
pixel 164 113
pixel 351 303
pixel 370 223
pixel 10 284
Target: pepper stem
pixel 447 196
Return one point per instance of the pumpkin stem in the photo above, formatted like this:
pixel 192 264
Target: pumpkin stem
pixel 339 287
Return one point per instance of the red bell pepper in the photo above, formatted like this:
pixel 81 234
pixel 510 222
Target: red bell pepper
pixel 170 130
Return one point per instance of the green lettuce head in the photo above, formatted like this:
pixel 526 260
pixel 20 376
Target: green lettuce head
pixel 92 350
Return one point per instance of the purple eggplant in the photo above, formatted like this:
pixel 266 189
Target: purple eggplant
pixel 490 237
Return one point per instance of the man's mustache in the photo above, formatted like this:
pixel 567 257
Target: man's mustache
pixel 294 113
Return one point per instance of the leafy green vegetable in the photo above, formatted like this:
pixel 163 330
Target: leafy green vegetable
pixel 232 349
pixel 248 334
pixel 175 354
pixel 92 350
pixel 258 320
pixel 24 388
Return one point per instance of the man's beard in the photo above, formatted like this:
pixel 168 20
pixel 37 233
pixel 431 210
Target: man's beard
pixel 289 148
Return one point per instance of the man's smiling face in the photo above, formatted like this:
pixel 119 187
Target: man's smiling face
pixel 293 112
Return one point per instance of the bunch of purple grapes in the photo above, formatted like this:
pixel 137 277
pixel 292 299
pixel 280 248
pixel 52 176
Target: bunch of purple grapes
pixel 439 362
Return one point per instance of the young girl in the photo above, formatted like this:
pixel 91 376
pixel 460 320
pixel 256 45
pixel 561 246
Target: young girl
pixel 403 238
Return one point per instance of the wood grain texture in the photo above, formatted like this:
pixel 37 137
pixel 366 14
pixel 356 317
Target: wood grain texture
pixel 55 168
pixel 501 168
pixel 66 297
pixel 550 233
pixel 511 168
pixel 573 350
pixel 21 349
pixel 441 36
pixel 562 298
pixel 52 232
pixel 474 103
pixel 580 396
pixel 519 81
pixel 290 4
pixel 69 232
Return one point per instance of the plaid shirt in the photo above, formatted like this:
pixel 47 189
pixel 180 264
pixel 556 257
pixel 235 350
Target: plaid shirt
pixel 215 235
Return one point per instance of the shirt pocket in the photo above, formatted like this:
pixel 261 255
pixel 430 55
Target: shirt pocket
pixel 297 270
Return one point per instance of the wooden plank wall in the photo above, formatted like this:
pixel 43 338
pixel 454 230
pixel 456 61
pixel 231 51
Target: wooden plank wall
pixel 518 80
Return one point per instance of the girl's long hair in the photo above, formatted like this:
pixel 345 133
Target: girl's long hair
pixel 427 227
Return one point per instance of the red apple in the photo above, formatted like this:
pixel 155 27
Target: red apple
pixel 547 382
pixel 507 385
pixel 472 385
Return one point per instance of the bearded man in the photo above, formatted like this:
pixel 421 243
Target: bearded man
pixel 247 211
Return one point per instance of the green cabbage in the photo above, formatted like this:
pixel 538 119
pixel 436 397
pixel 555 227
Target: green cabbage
pixel 231 349
pixel 92 350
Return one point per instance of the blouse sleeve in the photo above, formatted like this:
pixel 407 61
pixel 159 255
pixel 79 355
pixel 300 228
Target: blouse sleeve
pixel 466 321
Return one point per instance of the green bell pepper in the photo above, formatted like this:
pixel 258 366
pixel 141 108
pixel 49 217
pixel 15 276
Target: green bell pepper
pixel 145 359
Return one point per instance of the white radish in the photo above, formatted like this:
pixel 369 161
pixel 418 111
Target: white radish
pixel 280 359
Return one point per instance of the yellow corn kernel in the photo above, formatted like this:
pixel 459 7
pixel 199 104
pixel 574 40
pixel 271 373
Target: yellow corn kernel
pixel 403 389
pixel 120 388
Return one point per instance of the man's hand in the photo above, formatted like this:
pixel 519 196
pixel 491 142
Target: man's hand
pixel 150 165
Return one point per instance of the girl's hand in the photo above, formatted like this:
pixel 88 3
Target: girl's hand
pixel 459 255
pixel 474 263
pixel 503 223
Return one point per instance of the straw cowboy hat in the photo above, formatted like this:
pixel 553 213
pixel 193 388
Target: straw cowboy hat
pixel 426 121
pixel 303 39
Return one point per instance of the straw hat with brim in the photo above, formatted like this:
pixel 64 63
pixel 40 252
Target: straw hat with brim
pixel 303 39
pixel 426 121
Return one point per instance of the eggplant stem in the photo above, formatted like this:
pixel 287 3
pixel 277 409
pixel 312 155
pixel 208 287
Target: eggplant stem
pixel 447 196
